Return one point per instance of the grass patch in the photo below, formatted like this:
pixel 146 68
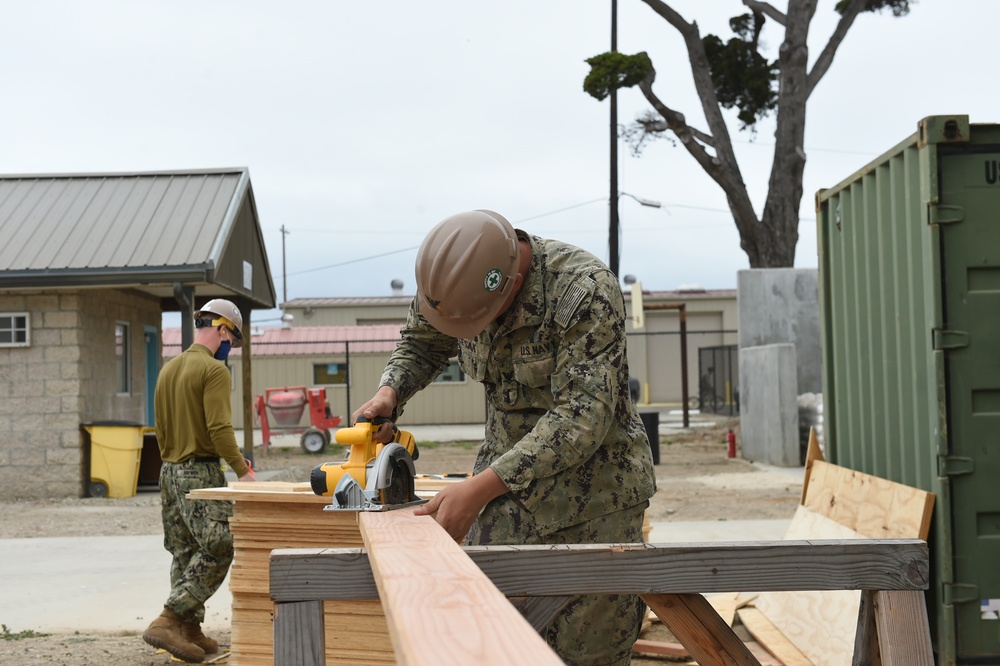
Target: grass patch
pixel 9 635
pixel 81 639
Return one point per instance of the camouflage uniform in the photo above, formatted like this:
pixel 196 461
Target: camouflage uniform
pixel 194 430
pixel 561 429
pixel 196 534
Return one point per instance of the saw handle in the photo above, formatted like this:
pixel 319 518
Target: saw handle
pixel 380 421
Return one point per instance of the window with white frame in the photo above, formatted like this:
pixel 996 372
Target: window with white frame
pixel 122 364
pixel 14 329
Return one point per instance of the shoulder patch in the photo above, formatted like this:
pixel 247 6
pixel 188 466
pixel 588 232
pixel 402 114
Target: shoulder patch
pixel 571 300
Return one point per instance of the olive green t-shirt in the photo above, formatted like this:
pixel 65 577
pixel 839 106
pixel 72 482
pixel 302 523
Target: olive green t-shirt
pixel 193 410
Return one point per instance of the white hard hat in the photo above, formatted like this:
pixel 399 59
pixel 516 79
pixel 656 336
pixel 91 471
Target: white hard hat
pixel 228 311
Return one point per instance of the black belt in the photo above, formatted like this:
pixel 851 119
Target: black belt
pixel 207 460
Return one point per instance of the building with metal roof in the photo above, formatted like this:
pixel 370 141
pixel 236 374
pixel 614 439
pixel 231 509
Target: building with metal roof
pixel 658 359
pixel 88 264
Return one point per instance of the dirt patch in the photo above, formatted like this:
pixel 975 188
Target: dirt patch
pixel 695 481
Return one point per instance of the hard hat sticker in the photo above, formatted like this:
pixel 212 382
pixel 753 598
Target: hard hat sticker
pixel 493 280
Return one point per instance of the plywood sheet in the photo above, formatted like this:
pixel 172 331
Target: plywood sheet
pixel 840 503
pixel 820 624
pixel 873 507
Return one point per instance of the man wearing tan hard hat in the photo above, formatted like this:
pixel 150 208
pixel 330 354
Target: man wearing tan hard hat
pixel 566 460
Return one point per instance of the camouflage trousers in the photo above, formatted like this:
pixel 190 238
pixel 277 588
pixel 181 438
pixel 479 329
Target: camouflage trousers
pixel 196 534
pixel 591 630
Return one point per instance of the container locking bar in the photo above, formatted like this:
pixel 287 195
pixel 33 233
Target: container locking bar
pixel 959 593
pixel 955 465
pixel 943 339
pixel 943 214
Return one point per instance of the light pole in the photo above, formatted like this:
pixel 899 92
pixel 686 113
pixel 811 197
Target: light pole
pixel 613 253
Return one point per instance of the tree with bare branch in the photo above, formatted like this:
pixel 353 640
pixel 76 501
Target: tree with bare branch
pixel 736 75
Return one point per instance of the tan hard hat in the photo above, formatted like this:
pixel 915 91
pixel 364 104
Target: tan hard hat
pixel 220 307
pixel 466 268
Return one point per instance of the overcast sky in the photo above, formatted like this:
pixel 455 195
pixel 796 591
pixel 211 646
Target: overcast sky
pixel 363 124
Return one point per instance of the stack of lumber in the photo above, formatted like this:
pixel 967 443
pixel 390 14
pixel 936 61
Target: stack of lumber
pixel 819 628
pixel 269 515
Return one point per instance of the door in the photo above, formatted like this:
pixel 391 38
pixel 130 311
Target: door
pixel 970 251
pixel 152 370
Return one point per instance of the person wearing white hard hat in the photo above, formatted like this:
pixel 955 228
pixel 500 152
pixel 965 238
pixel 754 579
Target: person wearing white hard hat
pixel 194 430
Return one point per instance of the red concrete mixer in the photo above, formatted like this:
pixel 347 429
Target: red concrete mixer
pixel 286 406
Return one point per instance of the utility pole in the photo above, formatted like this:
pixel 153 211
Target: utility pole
pixel 613 253
pixel 284 273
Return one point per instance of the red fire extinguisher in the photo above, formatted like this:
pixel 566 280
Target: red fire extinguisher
pixel 731 440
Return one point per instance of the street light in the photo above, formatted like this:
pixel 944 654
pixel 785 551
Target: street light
pixel 616 227
pixel 645 202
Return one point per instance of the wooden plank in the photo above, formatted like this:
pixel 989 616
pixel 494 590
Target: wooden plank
pixel 725 605
pixel 660 648
pixel 441 609
pixel 355 632
pixel 765 633
pixel 302 574
pixel 866 651
pixel 904 637
pixel 693 621
pixel 813 453
pixel 298 634
pixel 873 507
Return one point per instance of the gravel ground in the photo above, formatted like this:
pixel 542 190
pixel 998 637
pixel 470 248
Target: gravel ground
pixel 696 482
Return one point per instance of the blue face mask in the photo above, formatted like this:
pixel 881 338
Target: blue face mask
pixel 223 352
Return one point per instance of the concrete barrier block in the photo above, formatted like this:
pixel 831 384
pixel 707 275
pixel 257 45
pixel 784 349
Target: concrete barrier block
pixel 769 411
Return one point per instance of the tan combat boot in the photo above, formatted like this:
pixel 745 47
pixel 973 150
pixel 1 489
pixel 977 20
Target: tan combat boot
pixel 166 632
pixel 192 632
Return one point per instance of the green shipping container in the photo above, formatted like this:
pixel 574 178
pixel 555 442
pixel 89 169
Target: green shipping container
pixel 909 265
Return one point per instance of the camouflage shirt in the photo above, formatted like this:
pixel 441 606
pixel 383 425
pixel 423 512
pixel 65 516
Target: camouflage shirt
pixel 561 429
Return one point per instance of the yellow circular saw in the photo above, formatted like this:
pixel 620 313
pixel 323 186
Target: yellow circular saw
pixel 375 476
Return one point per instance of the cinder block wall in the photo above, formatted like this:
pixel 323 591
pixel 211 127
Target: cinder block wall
pixel 65 378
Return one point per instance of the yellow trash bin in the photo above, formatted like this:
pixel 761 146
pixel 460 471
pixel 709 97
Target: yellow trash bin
pixel 115 453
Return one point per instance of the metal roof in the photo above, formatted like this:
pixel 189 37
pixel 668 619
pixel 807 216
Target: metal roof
pixel 305 340
pixel 144 230
pixel 345 301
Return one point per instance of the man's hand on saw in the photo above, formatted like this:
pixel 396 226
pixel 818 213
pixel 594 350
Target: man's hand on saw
pixel 455 507
pixel 382 404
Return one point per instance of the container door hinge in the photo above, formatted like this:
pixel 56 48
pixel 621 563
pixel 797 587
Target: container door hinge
pixel 955 465
pixel 944 214
pixel 959 593
pixel 943 339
